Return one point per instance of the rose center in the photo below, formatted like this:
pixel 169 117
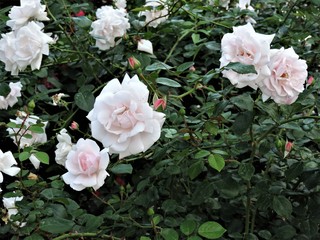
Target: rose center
pixel 125 118
pixel 88 163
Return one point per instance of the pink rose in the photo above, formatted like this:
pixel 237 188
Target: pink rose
pixel 122 118
pixel 288 75
pixel 86 165
pixel 246 46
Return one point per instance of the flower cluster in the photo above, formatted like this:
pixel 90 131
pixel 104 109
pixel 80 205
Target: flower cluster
pixel 110 24
pixel 280 74
pixel 27 42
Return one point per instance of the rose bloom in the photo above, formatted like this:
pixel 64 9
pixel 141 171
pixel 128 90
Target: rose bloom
pixel 111 24
pixel 120 3
pixel 6 165
pixel 287 79
pixel 34 137
pixel 64 146
pixel 245 4
pixel 154 17
pixel 10 205
pixel 246 46
pixel 24 47
pixel 11 98
pixel 86 165
pixel 122 118
pixel 28 9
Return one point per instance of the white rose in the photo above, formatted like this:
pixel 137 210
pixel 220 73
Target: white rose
pixel 245 4
pixel 111 24
pixel 6 165
pixel 120 3
pixel 122 118
pixel 287 79
pixel 246 46
pixel 145 46
pixel 24 47
pixel 154 17
pixel 28 9
pixel 12 97
pixel 86 165
pixel 17 134
pixel 10 205
pixel 63 147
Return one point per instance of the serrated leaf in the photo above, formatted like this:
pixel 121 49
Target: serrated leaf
pixel 195 169
pixel 167 82
pixel 56 225
pixel 243 101
pixel 211 230
pixel 216 161
pixel 82 22
pixel 157 66
pixel 84 100
pixel 4 89
pixel 36 129
pixel 282 206
pixel 24 156
pixel 52 193
pixel 294 171
pixel 240 68
pixel 202 154
pixel 184 66
pixel 188 226
pixel 169 234
pixel 42 157
pixel 242 122
pixel 122 169
pixel 246 171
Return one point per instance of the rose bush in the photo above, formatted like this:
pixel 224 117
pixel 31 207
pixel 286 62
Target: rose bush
pixel 159 120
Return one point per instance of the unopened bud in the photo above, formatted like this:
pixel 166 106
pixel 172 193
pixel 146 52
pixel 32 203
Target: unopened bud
pixel 160 104
pixel 192 69
pixel 31 105
pixel 32 176
pixel 310 80
pixel 74 125
pixel 288 148
pixel 134 63
pixel 150 211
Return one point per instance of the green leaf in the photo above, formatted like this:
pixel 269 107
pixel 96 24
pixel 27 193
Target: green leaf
pixel 211 230
pixel 282 206
pixel 34 236
pixel 242 122
pixel 195 169
pixel 157 66
pixel 42 157
pixel 82 22
pixel 243 101
pixel 4 89
pixel 122 169
pixel 169 234
pixel 246 171
pixel 92 222
pixel 188 226
pixel 195 38
pixel 56 225
pixel 84 100
pixel 36 129
pixel 167 82
pixel 216 161
pixel 294 171
pixel 184 66
pixel 24 156
pixel 144 238
pixel 202 154
pixel 240 68
pixel 52 193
